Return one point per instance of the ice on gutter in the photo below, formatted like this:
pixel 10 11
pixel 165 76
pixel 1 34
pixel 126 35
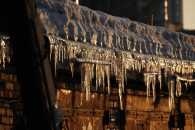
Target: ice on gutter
pixel 6 50
pixel 98 62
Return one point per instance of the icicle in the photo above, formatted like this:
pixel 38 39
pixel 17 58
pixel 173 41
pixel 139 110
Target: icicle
pixel 160 80
pixel 160 77
pixel 177 87
pixel 72 68
pixel 148 87
pixel 139 67
pixel 87 81
pixel 90 73
pixel 97 77
pixel 133 66
pixel 183 70
pixel 81 98
pixel 172 93
pixel 147 68
pixel 120 94
pixel 64 52
pixel 112 65
pixel 153 87
pixel 136 65
pixel 125 75
pixel 62 48
pixel 3 52
pixel 86 76
pixel 180 88
pixel 103 78
pixel 92 70
pixel 100 73
pixel 82 77
pixel 186 84
pixel 59 52
pixel 190 83
pixel 165 74
pixel 55 60
pixel 145 80
pixel 51 47
pixel 108 77
pixel 8 53
pixel 170 103
pixel 122 76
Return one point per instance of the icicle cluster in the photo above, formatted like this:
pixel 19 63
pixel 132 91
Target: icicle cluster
pixel 99 63
pixel 150 78
pixel 5 51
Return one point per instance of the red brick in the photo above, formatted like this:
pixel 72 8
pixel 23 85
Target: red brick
pixel 9 86
pixel 11 120
pixel 12 127
pixel 18 113
pixel 2 94
pixel 3 111
pixel 15 95
pixel 0 120
pixel 0 110
pixel 7 127
pixel 15 78
pixel 9 112
pixel 2 127
pixel 4 76
pixel 10 94
pixel 6 85
pixel 11 77
pixel 5 120
pixel 16 86
pixel 6 94
pixel 21 113
pixel 6 105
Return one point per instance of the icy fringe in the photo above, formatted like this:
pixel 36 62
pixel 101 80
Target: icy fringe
pixel 5 52
pixel 99 63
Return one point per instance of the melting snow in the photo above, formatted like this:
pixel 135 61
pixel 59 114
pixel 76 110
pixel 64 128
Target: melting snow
pixel 98 62
pixel 127 43
pixel 111 46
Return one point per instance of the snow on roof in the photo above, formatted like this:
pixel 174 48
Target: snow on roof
pixel 66 19
pixel 112 45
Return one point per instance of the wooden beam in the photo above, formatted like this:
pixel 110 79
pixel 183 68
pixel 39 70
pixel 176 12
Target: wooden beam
pixel 33 70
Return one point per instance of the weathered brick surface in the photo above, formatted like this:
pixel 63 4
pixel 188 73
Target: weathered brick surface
pixel 6 93
pixel 17 86
pixel 10 94
pixel 11 120
pixel 10 112
pixel 3 111
pixel 2 127
pixel 2 93
pixel 7 127
pixel 5 120
pixel 4 76
pixel 9 86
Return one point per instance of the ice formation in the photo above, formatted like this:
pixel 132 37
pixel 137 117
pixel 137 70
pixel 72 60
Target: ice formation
pixel 99 63
pixel 5 51
pixel 111 46
pixel 68 20
pixel 129 45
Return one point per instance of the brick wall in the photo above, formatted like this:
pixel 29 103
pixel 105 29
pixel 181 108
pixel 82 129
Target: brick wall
pixel 139 114
pixel 11 108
